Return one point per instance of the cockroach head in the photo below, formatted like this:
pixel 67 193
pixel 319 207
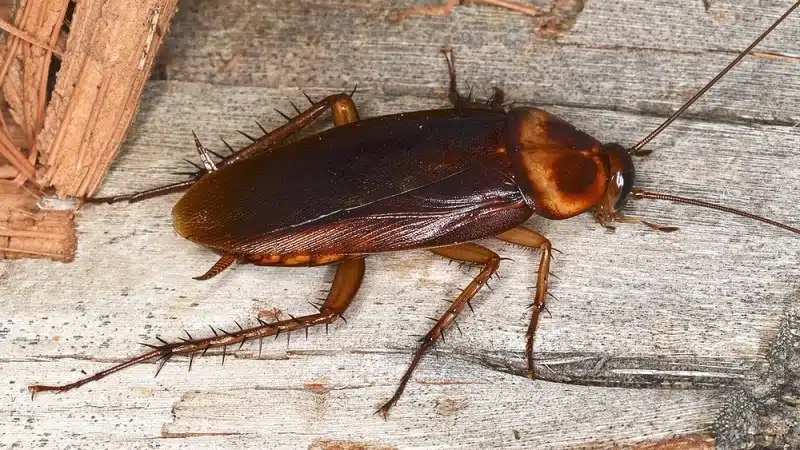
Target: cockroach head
pixel 562 171
pixel 620 181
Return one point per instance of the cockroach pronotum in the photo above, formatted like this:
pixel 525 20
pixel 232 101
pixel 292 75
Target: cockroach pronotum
pixel 436 180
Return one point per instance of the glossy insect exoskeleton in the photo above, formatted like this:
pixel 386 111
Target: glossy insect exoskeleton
pixel 434 179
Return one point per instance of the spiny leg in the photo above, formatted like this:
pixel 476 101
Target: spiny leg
pixel 144 195
pixel 227 259
pixel 452 92
pixel 529 238
pixel 205 155
pixel 345 286
pixel 343 111
pixel 495 102
pixel 470 253
pixel 208 166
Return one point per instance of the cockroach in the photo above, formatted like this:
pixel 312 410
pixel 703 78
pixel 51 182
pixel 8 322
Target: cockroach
pixel 436 180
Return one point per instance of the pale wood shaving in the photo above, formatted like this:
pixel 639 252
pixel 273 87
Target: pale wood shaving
pixel 26 231
pixel 11 29
pixel 68 143
pixel 89 114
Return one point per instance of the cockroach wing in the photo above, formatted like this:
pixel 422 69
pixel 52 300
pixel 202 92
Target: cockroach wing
pixel 412 180
pixel 468 205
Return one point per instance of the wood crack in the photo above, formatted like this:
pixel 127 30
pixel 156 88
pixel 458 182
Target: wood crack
pixel 574 369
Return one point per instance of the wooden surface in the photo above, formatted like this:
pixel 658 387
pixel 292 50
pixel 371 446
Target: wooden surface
pixel 110 50
pixel 659 339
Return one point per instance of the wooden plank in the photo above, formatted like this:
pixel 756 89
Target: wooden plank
pixel 644 56
pixel 331 396
pixel 707 318
pixel 702 317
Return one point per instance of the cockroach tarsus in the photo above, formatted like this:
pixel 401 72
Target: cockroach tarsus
pixel 435 179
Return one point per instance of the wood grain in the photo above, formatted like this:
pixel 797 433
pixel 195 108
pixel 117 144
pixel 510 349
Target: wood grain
pixel 110 50
pixel 655 337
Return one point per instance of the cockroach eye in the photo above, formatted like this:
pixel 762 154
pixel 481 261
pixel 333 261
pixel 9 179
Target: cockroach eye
pixel 622 174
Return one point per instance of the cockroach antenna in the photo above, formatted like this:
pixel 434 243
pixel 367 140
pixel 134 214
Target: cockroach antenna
pixel 637 149
pixel 638 193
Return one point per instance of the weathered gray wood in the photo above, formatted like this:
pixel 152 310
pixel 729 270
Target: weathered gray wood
pixel 644 56
pixel 322 396
pixel 705 312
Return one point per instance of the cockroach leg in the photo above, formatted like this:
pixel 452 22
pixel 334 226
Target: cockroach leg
pixel 143 195
pixel 199 169
pixel 228 146
pixel 495 102
pixel 471 253
pixel 218 155
pixel 282 114
pixel 344 111
pixel 652 226
pixel 246 135
pixel 205 156
pixel 529 238
pixel 223 263
pixel 345 286
pixel 452 93
pixel 261 127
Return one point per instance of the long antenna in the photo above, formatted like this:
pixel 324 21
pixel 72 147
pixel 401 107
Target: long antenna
pixel 702 91
pixel 638 193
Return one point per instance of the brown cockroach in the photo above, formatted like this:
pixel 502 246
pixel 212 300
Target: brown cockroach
pixel 436 180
